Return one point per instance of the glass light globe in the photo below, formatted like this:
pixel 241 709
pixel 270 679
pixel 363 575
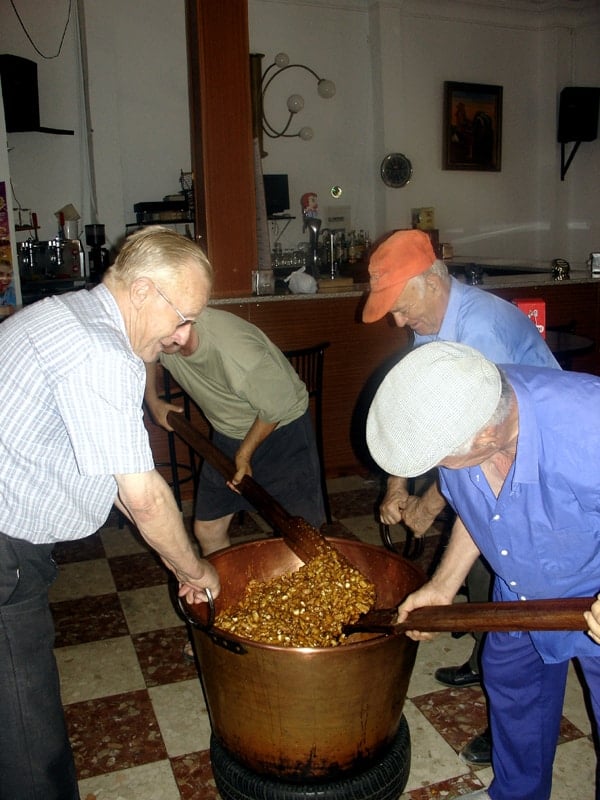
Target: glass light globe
pixel 326 88
pixel 295 103
pixel 306 134
pixel 282 59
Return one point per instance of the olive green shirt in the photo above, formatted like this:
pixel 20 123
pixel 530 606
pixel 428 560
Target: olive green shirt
pixel 237 374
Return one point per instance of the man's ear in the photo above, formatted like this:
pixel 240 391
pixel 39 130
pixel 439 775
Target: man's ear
pixel 432 282
pixel 140 292
pixel 488 436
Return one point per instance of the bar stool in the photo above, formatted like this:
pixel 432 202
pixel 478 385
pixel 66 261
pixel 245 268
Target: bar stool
pixel 171 393
pixel 308 363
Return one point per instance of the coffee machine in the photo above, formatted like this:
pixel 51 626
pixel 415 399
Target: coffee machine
pixel 98 256
pixel 50 267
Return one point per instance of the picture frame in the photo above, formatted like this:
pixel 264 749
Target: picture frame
pixel 472 135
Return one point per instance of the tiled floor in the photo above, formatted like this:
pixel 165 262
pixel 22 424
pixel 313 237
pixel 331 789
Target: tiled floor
pixel 135 710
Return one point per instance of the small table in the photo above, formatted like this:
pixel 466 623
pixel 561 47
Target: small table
pixel 565 345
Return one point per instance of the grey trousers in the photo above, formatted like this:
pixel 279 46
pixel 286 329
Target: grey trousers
pixel 36 762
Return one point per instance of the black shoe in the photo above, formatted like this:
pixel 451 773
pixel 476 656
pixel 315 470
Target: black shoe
pixel 457 676
pixel 478 750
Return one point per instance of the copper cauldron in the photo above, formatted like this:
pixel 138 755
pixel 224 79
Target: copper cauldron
pixel 301 714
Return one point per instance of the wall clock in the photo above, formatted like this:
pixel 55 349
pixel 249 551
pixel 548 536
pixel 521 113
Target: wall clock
pixel 396 170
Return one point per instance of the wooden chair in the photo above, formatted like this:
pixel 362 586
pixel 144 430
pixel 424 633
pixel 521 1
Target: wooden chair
pixel 190 468
pixel 308 363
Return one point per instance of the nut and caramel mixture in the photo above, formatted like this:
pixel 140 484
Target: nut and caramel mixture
pixel 305 608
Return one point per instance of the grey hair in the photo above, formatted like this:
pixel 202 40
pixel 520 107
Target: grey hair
pixel 161 254
pixel 499 416
pixel 438 268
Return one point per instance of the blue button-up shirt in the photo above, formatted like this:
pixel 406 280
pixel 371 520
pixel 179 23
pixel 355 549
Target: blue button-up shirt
pixel 495 327
pixel 541 535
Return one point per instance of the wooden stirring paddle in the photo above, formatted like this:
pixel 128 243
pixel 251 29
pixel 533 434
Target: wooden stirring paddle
pixel 562 614
pixel 302 538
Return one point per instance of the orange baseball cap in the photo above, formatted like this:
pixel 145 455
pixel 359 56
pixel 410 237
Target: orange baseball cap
pixel 398 259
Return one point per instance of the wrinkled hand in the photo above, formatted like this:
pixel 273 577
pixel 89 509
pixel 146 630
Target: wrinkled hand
pixel 392 506
pixel 416 516
pixel 427 595
pixel 192 589
pixel 592 617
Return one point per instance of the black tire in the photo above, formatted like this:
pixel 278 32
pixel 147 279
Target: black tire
pixel 385 780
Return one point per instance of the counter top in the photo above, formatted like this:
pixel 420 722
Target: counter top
pixel 536 279
pixel 525 281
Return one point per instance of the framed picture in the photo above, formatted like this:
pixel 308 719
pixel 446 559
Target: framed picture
pixel 472 126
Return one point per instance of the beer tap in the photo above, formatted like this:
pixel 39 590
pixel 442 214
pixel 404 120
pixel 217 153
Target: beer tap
pixel 329 242
pixel 314 225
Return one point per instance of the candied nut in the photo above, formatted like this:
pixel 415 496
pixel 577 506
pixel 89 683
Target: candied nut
pixel 305 608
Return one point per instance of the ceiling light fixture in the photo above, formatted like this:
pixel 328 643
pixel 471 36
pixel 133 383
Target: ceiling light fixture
pixel 295 102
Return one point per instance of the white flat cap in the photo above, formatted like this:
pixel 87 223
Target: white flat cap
pixel 433 401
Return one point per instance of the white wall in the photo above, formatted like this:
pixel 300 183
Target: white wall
pixel 10 233
pixel 333 40
pixel 389 61
pixel 139 123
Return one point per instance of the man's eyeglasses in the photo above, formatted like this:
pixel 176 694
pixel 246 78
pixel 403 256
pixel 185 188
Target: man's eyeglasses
pixel 184 320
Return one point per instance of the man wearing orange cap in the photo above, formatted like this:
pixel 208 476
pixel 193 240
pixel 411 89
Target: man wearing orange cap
pixel 410 283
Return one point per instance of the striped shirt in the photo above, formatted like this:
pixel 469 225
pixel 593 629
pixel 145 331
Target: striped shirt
pixel 71 391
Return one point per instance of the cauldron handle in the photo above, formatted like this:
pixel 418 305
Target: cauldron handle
pixel 194 621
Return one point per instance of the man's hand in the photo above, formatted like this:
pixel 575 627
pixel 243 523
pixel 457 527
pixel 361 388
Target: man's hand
pixel 592 617
pixel 417 516
pixel 394 501
pixel 243 467
pixel 427 595
pixel 159 410
pixel 193 588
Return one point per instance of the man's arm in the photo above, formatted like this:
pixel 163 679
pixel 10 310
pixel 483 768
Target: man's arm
pixel 416 512
pixel 157 407
pixel 458 558
pixel 257 434
pixel 149 502
pixel 420 512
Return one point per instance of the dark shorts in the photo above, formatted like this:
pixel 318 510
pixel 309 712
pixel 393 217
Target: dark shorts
pixel 286 465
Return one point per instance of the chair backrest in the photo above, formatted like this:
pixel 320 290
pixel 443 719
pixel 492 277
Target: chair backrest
pixel 308 363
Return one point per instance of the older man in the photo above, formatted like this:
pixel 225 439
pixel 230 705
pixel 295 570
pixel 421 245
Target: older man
pixel 72 444
pixel 408 282
pixel 518 452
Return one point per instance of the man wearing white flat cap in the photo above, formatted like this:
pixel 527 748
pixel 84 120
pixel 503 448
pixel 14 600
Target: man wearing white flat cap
pixel 518 454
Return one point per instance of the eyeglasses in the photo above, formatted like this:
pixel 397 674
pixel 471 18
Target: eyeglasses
pixel 184 320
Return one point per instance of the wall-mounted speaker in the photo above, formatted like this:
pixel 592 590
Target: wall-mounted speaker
pixel 20 93
pixel 578 114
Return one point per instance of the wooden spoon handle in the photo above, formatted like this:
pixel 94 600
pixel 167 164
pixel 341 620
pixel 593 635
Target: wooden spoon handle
pixel 305 540
pixel 562 614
